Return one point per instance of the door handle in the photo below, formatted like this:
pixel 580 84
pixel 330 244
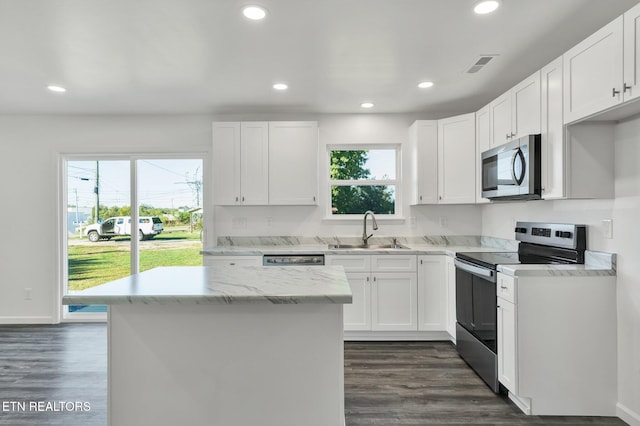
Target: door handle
pixel 614 92
pixel 625 87
pixel 518 179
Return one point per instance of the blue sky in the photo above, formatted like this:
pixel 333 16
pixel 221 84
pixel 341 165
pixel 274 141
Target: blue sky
pixel 162 183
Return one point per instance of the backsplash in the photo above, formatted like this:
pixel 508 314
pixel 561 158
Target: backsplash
pixel 434 240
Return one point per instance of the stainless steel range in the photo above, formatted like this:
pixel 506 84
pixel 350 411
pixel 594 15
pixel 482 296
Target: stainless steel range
pixel 476 296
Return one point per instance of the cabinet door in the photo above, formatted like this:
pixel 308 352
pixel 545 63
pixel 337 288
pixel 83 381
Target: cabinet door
pixel 483 143
pixel 451 297
pixel 593 73
pixel 501 120
pixel 507 356
pixel 432 293
pixel 457 159
pixel 357 315
pixel 553 146
pixel 254 168
pixel 525 107
pixel 394 301
pixel 424 137
pixel 632 53
pixel 293 163
pixel 226 163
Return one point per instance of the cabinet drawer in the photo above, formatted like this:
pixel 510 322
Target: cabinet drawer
pixel 506 287
pixel 351 263
pixel 393 263
pixel 232 260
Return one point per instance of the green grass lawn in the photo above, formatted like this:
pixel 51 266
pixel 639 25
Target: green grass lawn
pixel 94 264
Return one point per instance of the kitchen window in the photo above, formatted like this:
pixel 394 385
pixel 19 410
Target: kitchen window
pixel 363 177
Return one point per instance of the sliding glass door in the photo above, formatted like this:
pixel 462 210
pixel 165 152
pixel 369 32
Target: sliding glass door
pixel 101 239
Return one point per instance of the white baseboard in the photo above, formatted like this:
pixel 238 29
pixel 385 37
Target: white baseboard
pixel 396 335
pixel 26 320
pixel 627 415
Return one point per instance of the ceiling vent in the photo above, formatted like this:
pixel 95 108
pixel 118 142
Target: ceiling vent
pixel 480 63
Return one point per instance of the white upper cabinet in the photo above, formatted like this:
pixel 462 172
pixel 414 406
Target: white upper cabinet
pixel 632 53
pixel 293 163
pixel 423 135
pixel 553 143
pixel 240 156
pixel 593 73
pixel 517 112
pixel 254 165
pixel 261 163
pixel 457 159
pixel 226 159
pixel 483 143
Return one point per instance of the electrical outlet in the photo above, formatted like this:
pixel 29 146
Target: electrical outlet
pixel 444 221
pixel 269 222
pixel 607 228
pixel 27 293
pixel 412 222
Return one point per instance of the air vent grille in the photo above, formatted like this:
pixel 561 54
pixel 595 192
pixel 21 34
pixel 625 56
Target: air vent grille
pixel 480 63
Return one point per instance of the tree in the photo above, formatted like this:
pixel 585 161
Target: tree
pixel 356 199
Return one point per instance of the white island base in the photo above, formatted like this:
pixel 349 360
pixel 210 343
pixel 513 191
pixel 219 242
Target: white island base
pixel 227 365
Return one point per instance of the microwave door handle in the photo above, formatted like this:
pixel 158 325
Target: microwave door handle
pixel 518 179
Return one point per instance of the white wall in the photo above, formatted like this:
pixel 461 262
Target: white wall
pixel 29 185
pixel 312 220
pixel 497 220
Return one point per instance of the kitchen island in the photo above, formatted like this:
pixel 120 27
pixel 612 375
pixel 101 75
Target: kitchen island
pixel 225 345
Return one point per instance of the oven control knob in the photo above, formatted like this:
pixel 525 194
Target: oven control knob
pixel 520 230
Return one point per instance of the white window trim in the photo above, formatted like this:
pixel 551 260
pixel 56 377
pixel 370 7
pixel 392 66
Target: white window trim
pixel 397 182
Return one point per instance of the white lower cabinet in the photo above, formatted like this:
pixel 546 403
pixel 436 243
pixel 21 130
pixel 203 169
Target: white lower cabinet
pixel 432 293
pixel 549 341
pixel 507 332
pixel 451 297
pixel 384 291
pixel 232 260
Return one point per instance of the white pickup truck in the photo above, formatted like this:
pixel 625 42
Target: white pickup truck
pixel 150 226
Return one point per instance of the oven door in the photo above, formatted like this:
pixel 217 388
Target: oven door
pixel 476 302
pixel 504 171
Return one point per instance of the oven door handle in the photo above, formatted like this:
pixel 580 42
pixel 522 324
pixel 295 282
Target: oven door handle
pixel 484 273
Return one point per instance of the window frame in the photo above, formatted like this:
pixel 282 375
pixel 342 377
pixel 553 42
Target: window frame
pixel 397 182
pixel 61 312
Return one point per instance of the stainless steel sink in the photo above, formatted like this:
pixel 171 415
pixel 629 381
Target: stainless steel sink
pixel 368 246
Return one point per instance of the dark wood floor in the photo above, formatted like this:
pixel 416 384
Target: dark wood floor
pixel 396 383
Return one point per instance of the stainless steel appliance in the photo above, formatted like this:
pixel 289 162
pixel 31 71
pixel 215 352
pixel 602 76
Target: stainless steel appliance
pixel 293 259
pixel 476 295
pixel 513 171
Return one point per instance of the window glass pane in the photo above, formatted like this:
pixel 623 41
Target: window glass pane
pixel 98 246
pixel 380 199
pixel 366 164
pixel 170 210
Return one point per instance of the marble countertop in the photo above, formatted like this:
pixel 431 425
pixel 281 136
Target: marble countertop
pixel 449 245
pixel 596 263
pixel 223 285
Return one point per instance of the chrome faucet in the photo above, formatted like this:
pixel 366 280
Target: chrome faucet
pixel 365 237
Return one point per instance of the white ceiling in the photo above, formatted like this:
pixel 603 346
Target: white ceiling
pixel 202 56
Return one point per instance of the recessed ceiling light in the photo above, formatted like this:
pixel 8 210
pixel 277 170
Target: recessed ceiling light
pixel 366 105
pixel 280 86
pixel 57 89
pixel 254 13
pixel 425 84
pixel 486 6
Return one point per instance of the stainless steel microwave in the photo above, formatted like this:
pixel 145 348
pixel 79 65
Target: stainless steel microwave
pixel 512 171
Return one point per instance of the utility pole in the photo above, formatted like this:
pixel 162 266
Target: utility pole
pixel 97 191
pixel 76 224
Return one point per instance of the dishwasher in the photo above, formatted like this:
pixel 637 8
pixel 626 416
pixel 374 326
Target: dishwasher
pixel 293 260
